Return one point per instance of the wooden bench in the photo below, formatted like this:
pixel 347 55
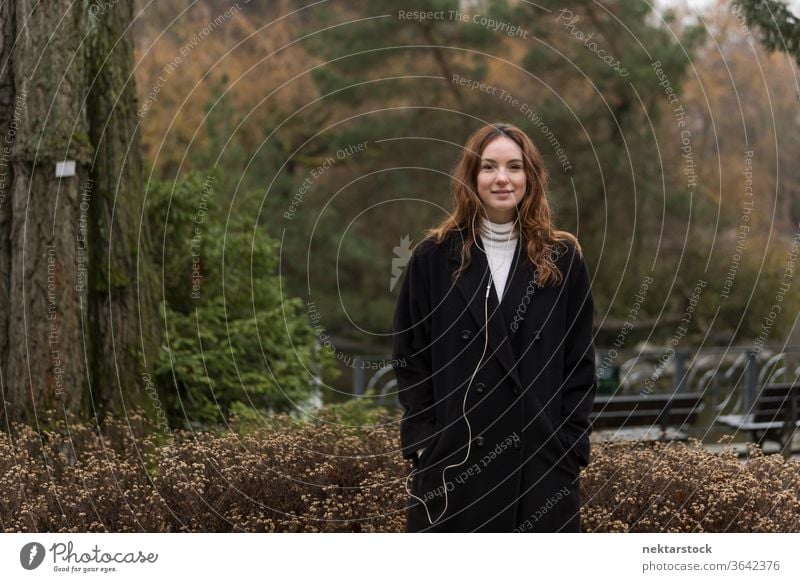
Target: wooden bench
pixel 773 416
pixel 664 416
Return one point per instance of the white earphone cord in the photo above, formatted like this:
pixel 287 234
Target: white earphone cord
pixel 466 392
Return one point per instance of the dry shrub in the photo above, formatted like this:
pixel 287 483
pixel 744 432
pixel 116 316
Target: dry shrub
pixel 323 476
pixel 681 487
pixel 71 479
pixel 306 479
pixel 290 477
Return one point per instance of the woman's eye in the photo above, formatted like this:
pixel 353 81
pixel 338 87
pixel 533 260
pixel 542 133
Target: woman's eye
pixel 515 167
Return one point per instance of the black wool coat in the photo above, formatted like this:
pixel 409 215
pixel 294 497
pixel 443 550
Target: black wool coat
pixel 528 405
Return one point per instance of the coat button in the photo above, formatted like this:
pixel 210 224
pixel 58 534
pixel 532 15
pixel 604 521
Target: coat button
pixel 465 334
pixel 479 387
pixel 478 441
pixel 517 390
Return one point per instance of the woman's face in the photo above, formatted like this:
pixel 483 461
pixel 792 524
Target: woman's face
pixel 501 179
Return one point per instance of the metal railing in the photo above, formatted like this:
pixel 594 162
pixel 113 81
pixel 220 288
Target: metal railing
pixel 731 375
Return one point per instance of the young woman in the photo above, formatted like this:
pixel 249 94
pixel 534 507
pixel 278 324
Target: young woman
pixel 493 329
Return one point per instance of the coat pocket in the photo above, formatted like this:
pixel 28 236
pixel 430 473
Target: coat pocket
pixel 430 448
pixel 569 458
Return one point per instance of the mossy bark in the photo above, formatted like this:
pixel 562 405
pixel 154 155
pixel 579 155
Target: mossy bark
pixel 78 307
pixel 42 354
pixel 123 283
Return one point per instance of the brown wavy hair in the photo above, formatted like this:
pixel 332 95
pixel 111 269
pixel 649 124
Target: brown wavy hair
pixel 535 225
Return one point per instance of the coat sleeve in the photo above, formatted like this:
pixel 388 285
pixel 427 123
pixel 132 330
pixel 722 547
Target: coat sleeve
pixel 411 337
pixel 580 375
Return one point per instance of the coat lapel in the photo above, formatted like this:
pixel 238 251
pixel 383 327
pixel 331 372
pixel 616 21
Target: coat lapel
pixel 472 286
pixel 520 276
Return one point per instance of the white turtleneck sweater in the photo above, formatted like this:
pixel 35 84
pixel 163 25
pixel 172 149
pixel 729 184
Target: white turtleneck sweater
pixel 499 241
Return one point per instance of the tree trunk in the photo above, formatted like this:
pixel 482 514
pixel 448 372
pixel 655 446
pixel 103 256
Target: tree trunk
pixel 123 283
pixel 78 316
pixel 44 344
pixel 7 133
